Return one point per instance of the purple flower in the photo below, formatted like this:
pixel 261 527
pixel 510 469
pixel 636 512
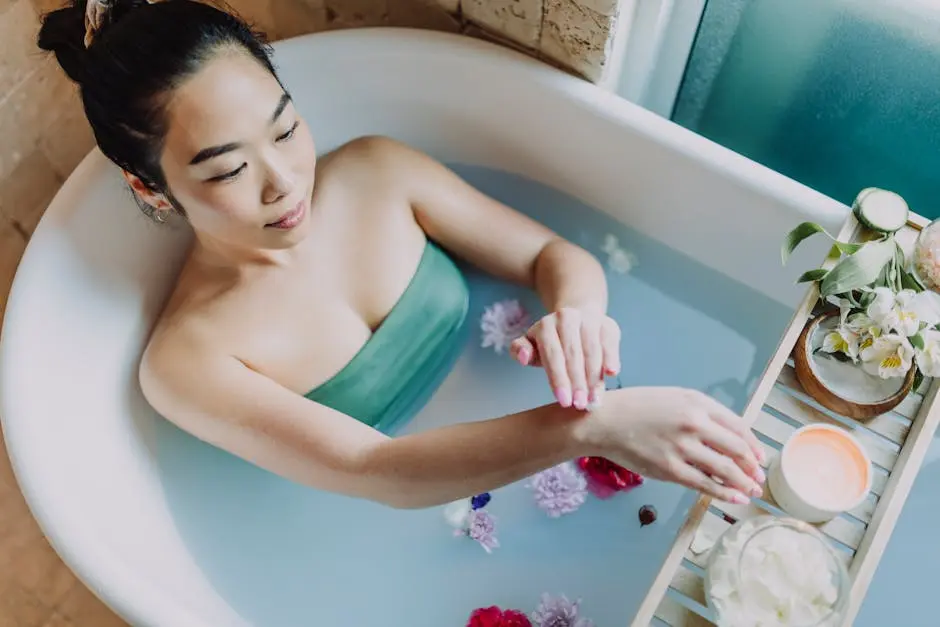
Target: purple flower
pixel 503 322
pixel 481 526
pixel 480 500
pixel 558 612
pixel 559 490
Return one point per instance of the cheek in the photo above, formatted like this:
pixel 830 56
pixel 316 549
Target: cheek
pixel 217 204
pixel 305 150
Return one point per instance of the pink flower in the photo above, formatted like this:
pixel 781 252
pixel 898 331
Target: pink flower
pixel 605 478
pixel 494 617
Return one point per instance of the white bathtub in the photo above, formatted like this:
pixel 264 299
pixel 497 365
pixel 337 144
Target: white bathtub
pixel 93 277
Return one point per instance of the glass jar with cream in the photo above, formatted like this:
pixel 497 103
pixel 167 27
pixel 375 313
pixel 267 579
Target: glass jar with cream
pixel 775 572
pixel 926 254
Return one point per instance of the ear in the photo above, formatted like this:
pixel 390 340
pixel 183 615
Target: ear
pixel 155 199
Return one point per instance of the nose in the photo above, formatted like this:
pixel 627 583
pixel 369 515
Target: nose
pixel 278 183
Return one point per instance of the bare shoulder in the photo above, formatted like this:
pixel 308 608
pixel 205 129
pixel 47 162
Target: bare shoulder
pixel 178 353
pixel 188 336
pixel 372 151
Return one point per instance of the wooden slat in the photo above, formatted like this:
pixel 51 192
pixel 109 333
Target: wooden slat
pixel 689 584
pixel 882 452
pixel 887 425
pixel 839 529
pixel 712 526
pixel 675 614
pixel 896 492
pixel 768 378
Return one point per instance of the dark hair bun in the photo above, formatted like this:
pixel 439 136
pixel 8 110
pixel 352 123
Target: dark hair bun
pixel 63 32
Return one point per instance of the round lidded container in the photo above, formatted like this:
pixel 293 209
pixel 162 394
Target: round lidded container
pixel 775 571
pixel 822 471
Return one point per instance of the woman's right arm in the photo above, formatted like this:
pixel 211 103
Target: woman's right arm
pixel 665 433
pixel 225 403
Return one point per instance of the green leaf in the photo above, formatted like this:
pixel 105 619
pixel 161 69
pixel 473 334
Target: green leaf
pixel 858 270
pixel 797 235
pixel 812 275
pixel 910 282
pixel 866 299
pixel 917 341
pixel 918 379
pixel 847 247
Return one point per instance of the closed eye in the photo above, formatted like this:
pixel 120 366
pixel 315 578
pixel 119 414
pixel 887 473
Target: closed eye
pixel 229 175
pixel 289 134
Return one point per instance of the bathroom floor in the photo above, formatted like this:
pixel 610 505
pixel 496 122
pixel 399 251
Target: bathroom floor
pixel 36 588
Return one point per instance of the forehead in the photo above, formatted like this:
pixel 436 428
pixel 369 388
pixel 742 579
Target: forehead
pixel 230 99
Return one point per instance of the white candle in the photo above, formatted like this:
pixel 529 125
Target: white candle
pixel 821 472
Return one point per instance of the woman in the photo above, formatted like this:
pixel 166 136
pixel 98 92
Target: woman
pixel 318 292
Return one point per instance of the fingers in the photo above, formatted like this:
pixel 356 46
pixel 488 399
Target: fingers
pixel 553 360
pixel 569 334
pixel 723 468
pixel 731 445
pixel 523 350
pixel 610 344
pixel 593 361
pixel 693 478
pixel 730 420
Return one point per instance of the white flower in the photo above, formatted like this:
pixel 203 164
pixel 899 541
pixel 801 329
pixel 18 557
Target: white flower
pixel 842 340
pixel 618 259
pixel 863 325
pixel 887 356
pixel 457 513
pixel 905 311
pixel 928 358
pixel 502 323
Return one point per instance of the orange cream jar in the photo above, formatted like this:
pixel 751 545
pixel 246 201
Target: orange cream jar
pixel 821 472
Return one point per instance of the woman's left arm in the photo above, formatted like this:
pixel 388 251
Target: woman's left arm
pixel 576 343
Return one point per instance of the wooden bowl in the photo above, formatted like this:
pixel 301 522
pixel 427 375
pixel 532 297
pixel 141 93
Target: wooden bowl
pixel 802 356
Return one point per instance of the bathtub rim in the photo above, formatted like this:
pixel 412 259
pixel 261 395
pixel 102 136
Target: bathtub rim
pixel 132 595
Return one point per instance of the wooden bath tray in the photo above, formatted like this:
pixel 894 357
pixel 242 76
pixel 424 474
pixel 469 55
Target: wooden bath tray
pixel 897 442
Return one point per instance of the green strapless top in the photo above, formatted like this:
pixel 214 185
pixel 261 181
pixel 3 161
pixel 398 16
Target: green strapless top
pixel 402 364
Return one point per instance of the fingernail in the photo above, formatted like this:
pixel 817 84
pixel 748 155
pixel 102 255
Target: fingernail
pixel 563 396
pixel 740 499
pixel 580 399
pixel 524 355
pixel 759 476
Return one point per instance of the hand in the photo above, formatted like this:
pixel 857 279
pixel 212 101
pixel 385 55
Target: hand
pixel 577 348
pixel 682 436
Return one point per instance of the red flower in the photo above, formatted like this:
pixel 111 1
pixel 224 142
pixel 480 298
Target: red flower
pixel 494 617
pixel 605 478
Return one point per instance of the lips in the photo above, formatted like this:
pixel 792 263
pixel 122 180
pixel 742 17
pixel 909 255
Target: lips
pixel 290 219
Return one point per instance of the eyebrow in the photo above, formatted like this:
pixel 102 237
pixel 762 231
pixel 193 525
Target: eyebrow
pixel 214 151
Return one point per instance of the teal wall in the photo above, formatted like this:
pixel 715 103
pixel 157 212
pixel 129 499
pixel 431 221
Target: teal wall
pixel 837 94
